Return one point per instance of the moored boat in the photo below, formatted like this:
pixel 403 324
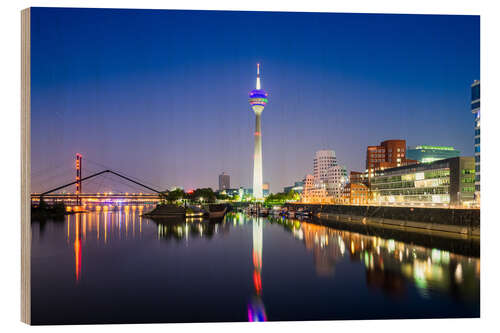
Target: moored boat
pixel 216 211
pixel 167 212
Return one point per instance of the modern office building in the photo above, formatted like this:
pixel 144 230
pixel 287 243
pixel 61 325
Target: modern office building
pixel 426 154
pixel 389 154
pixel 224 182
pixel 323 161
pixel 439 183
pixel 258 100
pixel 475 107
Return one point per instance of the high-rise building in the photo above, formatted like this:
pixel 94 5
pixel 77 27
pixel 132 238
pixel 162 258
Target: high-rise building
pixel 258 100
pixel 323 160
pixel 389 154
pixel 327 174
pixel 224 182
pixel 427 154
pixel 475 107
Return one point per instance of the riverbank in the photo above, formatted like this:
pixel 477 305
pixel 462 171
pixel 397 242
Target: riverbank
pixel 462 223
pixel 45 211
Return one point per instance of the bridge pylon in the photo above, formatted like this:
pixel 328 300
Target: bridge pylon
pixel 78 178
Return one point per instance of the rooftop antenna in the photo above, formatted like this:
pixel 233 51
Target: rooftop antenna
pixel 258 76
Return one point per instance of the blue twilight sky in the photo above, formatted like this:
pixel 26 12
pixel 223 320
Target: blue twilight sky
pixel 163 95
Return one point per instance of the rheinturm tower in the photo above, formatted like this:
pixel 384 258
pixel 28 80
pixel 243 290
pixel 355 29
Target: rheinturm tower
pixel 258 100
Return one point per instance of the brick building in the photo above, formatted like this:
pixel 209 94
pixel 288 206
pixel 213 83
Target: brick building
pixel 389 154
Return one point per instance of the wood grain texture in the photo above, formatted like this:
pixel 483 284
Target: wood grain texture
pixel 25 166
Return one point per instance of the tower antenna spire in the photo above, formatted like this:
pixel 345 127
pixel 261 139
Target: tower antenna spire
pixel 258 76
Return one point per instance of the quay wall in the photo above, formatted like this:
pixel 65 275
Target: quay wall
pixel 461 221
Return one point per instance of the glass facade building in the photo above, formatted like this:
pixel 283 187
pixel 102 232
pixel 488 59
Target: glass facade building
pixel 475 108
pixel 440 183
pixel 426 154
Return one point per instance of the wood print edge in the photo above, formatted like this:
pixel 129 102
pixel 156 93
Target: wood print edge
pixel 25 166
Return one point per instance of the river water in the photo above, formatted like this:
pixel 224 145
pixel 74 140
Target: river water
pixel 113 266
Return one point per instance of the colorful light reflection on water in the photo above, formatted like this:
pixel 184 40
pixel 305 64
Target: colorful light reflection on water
pixel 115 266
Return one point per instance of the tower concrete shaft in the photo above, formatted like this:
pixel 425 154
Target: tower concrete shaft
pixel 257 158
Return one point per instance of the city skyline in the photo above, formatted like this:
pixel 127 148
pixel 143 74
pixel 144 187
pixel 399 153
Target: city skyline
pixel 170 108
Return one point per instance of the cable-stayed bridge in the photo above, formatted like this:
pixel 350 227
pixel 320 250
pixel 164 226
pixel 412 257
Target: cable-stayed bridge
pixel 140 192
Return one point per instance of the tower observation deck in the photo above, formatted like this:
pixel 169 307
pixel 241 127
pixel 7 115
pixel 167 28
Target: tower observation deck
pixel 258 100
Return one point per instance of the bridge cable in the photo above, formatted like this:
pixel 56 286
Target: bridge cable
pixel 128 184
pixel 121 172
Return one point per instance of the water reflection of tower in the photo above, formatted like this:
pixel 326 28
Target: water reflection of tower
pixel 256 309
pixel 257 255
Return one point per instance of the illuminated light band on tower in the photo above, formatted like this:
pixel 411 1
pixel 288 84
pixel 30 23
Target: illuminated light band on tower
pixel 258 100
